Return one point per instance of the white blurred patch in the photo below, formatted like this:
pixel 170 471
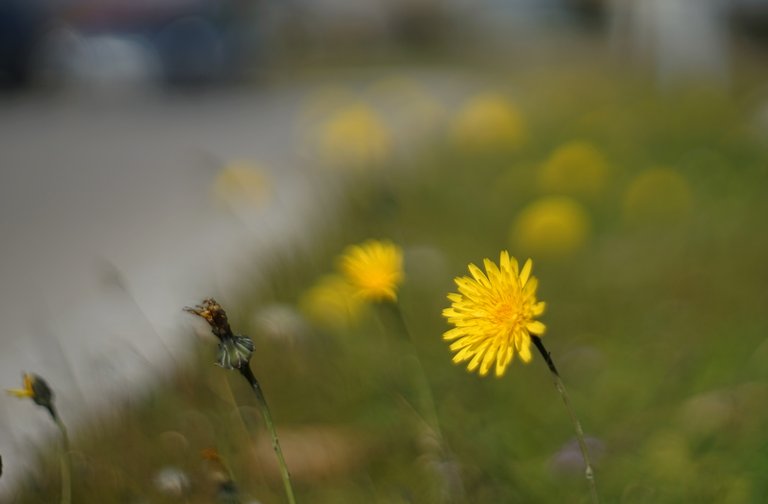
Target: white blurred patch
pixel 103 63
pixel 280 322
pixel 172 481
pixel 681 38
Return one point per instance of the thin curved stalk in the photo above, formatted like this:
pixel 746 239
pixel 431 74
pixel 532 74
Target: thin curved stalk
pixel 64 462
pixel 588 472
pixel 267 415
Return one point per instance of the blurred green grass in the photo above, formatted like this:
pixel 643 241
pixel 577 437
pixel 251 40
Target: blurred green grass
pixel 657 324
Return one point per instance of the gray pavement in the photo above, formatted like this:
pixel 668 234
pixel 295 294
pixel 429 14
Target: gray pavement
pixel 107 229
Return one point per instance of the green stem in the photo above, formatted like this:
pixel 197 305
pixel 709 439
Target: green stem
pixel 420 376
pixel 65 463
pixel 451 491
pixel 267 415
pixel 588 472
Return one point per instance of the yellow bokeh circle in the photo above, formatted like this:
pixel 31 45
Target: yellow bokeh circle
pixel 551 226
pixel 489 121
pixel 574 168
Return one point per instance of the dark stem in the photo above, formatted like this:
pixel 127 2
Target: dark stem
pixel 267 415
pixel 544 353
pixel 52 411
pixel 64 460
pixel 588 472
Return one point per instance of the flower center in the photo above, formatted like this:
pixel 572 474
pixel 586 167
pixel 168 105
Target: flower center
pixel 377 279
pixel 508 314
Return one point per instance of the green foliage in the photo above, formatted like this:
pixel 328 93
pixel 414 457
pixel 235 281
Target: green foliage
pixel 657 325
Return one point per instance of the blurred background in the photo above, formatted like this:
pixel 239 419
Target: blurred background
pixel 183 43
pixel 158 152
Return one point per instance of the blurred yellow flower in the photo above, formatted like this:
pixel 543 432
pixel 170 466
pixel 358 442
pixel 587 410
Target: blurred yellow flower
pixel 354 136
pixel 554 226
pixel 332 303
pixel 576 168
pixel 489 121
pixel 374 268
pixel 27 389
pixel 494 315
pixel 657 196
pixel 241 183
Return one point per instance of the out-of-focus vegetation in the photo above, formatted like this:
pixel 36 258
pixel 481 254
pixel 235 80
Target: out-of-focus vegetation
pixel 644 214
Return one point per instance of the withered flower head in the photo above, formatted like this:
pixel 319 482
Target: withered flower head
pixel 234 350
pixel 214 314
pixel 36 389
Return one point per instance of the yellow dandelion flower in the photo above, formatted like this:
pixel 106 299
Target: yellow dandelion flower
pixel 577 168
pixel 494 314
pixel 27 389
pixel 554 226
pixel 489 121
pixel 354 136
pixel 332 303
pixel 374 268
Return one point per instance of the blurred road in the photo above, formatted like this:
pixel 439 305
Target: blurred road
pixel 108 229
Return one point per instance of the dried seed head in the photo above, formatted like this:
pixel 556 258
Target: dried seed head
pixel 234 350
pixel 214 314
